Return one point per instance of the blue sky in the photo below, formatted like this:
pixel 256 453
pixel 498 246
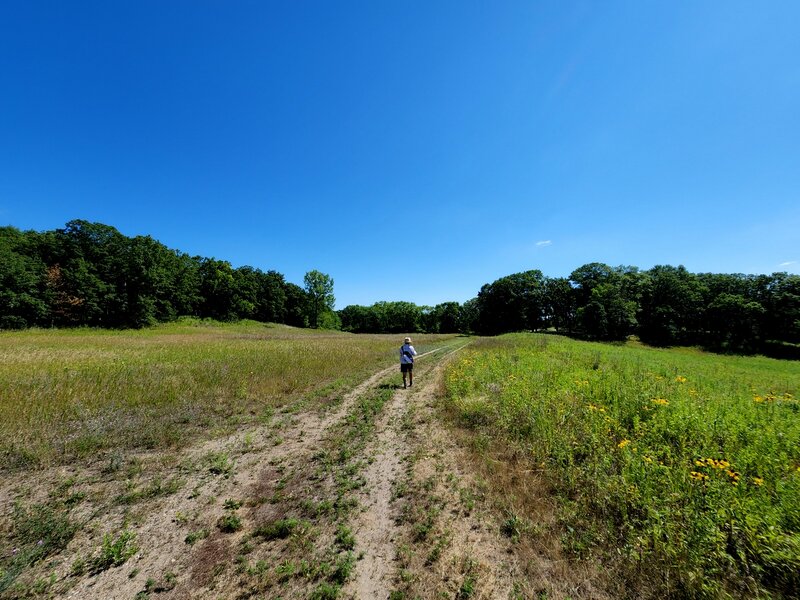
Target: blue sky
pixel 411 150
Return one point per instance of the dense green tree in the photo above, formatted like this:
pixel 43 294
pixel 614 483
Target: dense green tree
pixel 90 274
pixel 402 317
pixel 587 277
pixel 246 287
pixel 671 307
pixel 616 291
pixel 296 305
pixel 559 304
pixel 782 305
pixel 470 314
pixel 446 318
pixel 217 285
pixel 735 322
pixel 398 317
pixel 185 284
pixel 319 291
pixel 22 282
pixel 359 319
pixel 512 303
pixel 271 297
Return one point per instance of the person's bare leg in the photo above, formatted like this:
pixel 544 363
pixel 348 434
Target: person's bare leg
pixel 404 379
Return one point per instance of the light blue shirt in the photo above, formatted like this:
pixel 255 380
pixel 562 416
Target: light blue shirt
pixel 407 360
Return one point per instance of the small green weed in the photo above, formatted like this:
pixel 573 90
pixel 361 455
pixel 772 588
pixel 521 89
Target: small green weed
pixel 326 591
pixel 513 526
pixel 231 504
pixel 343 568
pixel 229 522
pixel 195 536
pixel 276 530
pixel 219 463
pixel 345 538
pixel 468 586
pixel 114 551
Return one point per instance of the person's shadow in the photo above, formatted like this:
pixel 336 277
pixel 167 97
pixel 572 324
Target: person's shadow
pixel 389 386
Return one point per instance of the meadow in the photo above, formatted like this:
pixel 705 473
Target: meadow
pixel 66 394
pixel 677 470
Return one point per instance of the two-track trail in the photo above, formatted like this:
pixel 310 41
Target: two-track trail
pixel 368 498
pixel 425 531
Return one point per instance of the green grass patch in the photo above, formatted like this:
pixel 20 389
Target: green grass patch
pixel 37 532
pixel 115 551
pixel 673 461
pixel 280 529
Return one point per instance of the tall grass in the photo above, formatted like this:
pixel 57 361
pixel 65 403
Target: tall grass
pixel 680 468
pixel 70 393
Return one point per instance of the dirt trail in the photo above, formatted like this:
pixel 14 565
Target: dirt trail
pixel 414 534
pixel 375 528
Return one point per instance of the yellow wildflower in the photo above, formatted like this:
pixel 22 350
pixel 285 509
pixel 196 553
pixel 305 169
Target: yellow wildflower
pixel 680 379
pixel 698 476
pixel 757 398
pixel 647 459
pixel 660 401
pixel 623 443
pixel 758 481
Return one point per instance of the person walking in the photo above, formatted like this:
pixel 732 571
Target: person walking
pixel 407 354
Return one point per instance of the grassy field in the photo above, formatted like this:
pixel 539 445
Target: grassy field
pixel 678 470
pixel 67 394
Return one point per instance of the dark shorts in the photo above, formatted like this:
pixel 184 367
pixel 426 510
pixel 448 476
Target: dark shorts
pixel 406 368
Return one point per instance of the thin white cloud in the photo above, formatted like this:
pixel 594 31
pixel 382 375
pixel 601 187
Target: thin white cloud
pixel 543 243
pixel 788 263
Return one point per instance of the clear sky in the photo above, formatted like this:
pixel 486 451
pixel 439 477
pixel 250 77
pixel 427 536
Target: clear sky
pixel 411 150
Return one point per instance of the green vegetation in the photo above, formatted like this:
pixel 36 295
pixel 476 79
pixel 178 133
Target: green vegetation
pixel 230 522
pixel 279 529
pixel 115 551
pixel 195 536
pixel 71 393
pixel 673 462
pixel 37 532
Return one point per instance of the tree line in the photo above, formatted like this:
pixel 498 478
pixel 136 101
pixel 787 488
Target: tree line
pixel 91 274
pixel 663 306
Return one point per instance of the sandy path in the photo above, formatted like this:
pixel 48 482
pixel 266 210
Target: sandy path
pixel 375 527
